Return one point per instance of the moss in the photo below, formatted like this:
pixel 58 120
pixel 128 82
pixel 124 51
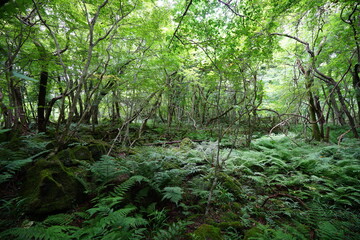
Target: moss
pixel 65 156
pixel 186 143
pixel 71 157
pixel 232 184
pixel 82 153
pixel 207 232
pixel 98 148
pixel 253 233
pixel 234 224
pixel 49 187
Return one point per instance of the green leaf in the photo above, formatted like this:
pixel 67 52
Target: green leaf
pixel 21 76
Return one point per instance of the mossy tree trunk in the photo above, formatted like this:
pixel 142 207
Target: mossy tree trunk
pixel 317 134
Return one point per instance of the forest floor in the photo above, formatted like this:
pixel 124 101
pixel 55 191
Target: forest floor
pixel 281 187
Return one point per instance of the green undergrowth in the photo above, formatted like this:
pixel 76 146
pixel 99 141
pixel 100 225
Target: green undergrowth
pixel 280 188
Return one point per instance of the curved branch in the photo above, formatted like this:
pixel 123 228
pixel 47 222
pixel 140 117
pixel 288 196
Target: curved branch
pixel 231 9
pixel 307 45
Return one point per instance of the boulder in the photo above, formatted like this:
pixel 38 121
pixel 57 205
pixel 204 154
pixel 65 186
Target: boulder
pixel 50 187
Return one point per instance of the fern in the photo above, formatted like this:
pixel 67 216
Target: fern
pixel 58 219
pixel 107 169
pixel 40 232
pixel 10 167
pixel 174 194
pixel 173 231
pixel 120 190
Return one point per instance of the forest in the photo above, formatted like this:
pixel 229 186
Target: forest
pixel 179 119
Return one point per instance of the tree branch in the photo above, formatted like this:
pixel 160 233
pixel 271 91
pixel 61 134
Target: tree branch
pixel 307 45
pixel 231 9
pixel 178 26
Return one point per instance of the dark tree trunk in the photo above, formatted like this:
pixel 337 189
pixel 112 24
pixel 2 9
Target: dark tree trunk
pixel 347 112
pixel 44 76
pixel 5 112
pixel 41 119
pixel 338 113
pixel 356 85
pixel 316 133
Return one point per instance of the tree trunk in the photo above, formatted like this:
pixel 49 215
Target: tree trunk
pixel 19 121
pixel 41 120
pixel 356 85
pixel 316 133
pixel 5 112
pixel 347 112
pixel 338 113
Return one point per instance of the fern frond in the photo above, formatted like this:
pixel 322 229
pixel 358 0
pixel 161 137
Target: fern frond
pixel 58 219
pixel 174 231
pixel 174 194
pixel 39 232
pixel 125 186
pixel 10 167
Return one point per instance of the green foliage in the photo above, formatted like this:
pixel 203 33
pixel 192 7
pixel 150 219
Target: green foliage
pixel 207 231
pixel 174 194
pixel 9 168
pixel 15 155
pixel 173 231
pixel 107 169
pixel 288 190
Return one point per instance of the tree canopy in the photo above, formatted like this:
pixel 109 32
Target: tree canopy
pixel 179 61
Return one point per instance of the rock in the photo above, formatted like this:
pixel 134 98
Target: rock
pixel 72 156
pixel 98 148
pixel 49 187
pixel 81 153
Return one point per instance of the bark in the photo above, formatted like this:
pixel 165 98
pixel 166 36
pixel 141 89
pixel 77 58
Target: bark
pixel 316 132
pixel 44 76
pixel 19 118
pixel 328 80
pixel 5 112
pixel 338 113
pixel 356 85
pixel 41 120
pixel 94 109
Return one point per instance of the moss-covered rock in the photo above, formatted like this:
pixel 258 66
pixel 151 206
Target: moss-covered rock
pixel 232 184
pixel 66 157
pixel 82 153
pixel 207 232
pixel 253 233
pixel 49 187
pixel 72 156
pixel 233 224
pixel 186 143
pixel 98 148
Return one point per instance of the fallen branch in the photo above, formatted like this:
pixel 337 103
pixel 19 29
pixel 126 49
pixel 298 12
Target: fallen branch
pixel 285 195
pixel 340 138
pixel 169 143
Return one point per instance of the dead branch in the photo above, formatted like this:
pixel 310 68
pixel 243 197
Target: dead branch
pixel 276 195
